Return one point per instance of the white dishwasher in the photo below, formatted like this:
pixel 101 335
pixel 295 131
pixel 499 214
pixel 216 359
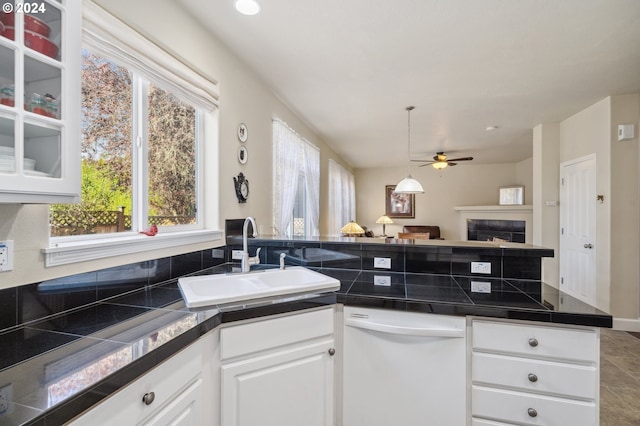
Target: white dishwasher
pixel 403 368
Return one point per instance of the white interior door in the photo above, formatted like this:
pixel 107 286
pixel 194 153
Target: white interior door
pixel 578 228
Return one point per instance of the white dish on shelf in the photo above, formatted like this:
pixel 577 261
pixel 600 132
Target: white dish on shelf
pixel 7 150
pixel 29 163
pixel 37 173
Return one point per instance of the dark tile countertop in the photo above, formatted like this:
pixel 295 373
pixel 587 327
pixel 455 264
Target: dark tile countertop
pixel 56 368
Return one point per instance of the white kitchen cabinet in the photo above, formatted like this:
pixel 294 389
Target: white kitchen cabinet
pixel 403 368
pixel 528 374
pixel 179 391
pixel 279 371
pixel 40 102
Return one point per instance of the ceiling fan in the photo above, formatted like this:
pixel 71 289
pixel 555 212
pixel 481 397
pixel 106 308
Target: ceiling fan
pixel 440 161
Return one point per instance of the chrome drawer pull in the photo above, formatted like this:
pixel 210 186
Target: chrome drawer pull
pixel 532 377
pixel 148 398
pixel 532 412
pixel 332 351
pixel 533 342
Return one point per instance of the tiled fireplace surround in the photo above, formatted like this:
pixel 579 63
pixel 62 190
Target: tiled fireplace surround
pixel 29 303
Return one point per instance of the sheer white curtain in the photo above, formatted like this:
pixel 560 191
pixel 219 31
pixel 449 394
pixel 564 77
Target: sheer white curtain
pixel 342 197
pixel 286 169
pixel 312 180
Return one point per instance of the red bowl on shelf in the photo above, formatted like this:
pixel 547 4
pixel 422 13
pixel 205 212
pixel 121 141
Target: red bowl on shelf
pixel 31 23
pixel 7 18
pixel 9 33
pixel 40 44
pixel 36 25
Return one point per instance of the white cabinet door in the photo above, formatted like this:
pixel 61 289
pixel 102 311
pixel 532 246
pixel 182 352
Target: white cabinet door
pixel 290 387
pixel 40 104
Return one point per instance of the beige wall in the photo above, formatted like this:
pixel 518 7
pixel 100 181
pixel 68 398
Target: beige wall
pixel 463 185
pixel 243 98
pixel 594 130
pixel 546 187
pixel 625 214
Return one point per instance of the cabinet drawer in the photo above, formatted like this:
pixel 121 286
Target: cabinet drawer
pixel 535 375
pixel 514 407
pixel 549 342
pixel 266 334
pixel 168 380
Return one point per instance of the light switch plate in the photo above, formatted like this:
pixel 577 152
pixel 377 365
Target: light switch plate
pixel 236 254
pixel 217 253
pixel 480 287
pixel 6 255
pixel 6 396
pixel 382 280
pixel 481 267
pixel 382 262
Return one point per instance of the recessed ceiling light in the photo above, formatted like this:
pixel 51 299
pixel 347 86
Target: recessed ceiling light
pixel 491 128
pixel 247 7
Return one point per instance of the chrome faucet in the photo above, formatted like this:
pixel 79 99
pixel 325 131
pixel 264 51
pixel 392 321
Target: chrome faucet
pixel 247 261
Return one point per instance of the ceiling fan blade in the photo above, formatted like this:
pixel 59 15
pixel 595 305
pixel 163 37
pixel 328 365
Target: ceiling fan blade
pixel 451 164
pixel 462 159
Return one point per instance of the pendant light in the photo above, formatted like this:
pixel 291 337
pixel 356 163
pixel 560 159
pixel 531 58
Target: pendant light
pixel 409 185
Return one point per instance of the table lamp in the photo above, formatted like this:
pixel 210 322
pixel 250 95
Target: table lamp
pixel 384 219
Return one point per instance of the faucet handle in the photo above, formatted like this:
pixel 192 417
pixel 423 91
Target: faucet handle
pixel 255 260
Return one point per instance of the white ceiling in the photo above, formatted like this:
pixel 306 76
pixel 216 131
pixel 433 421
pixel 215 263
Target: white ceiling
pixel 350 67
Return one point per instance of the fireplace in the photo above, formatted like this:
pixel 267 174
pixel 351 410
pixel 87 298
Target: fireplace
pixel 496 230
pixel 512 223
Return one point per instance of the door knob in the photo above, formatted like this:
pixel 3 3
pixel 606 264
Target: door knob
pixel 588 246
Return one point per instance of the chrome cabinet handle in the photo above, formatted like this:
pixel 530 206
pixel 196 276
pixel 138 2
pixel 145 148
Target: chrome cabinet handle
pixel 148 398
pixel 332 352
pixel 533 342
pixel 532 412
pixel 532 377
pixel 588 246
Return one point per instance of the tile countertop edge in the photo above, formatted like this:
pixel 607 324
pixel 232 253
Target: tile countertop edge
pixel 101 390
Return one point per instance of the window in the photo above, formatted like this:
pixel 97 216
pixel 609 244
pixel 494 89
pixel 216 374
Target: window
pixel 145 115
pixel 342 197
pixel 296 183
pixel 129 186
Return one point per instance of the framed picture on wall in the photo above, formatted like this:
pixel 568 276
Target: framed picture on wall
pixel 399 205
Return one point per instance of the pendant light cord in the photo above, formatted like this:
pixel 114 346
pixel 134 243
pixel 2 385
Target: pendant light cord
pixel 409 109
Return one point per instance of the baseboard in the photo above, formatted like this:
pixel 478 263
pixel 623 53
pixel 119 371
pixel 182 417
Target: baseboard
pixel 626 324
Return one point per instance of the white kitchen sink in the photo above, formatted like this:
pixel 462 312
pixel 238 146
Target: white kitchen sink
pixel 221 289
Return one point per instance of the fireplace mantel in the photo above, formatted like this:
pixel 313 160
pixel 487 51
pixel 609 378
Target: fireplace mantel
pixel 496 212
pixel 499 209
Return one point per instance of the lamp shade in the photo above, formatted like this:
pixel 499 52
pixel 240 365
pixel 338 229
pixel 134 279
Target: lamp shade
pixel 409 185
pixel 247 7
pixel 384 219
pixel 352 228
pixel 440 165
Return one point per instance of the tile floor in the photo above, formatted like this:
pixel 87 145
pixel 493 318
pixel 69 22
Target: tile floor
pixel 619 379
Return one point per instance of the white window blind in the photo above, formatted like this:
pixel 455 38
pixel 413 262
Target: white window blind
pixel 293 156
pixel 342 197
pixel 105 34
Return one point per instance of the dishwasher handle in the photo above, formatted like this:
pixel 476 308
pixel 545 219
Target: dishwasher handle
pixel 404 330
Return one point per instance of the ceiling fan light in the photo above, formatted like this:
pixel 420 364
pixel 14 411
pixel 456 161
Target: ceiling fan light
pixel 409 185
pixel 439 165
pixel 247 7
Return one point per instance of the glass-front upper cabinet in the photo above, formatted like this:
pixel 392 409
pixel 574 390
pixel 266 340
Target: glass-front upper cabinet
pixel 40 46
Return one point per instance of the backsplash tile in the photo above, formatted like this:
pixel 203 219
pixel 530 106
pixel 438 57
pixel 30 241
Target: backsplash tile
pixel 39 301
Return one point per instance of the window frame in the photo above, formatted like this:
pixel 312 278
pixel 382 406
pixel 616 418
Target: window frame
pixel 79 248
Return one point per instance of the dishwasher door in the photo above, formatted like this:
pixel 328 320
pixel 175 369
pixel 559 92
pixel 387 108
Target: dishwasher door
pixel 403 368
